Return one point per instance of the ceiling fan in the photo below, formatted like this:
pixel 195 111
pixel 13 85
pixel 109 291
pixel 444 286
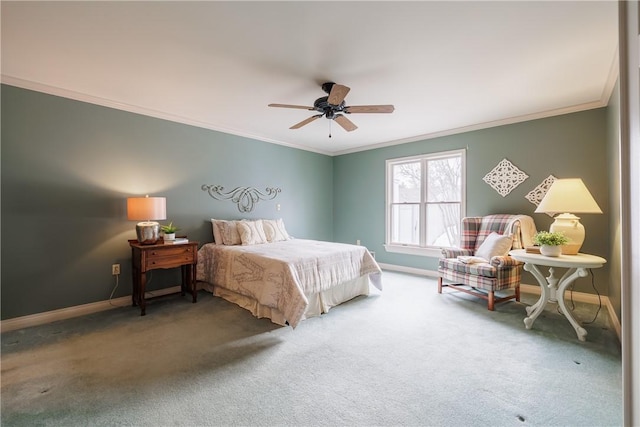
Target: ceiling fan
pixel 333 107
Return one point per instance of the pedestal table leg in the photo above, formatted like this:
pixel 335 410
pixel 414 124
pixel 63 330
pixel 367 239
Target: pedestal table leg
pixel 534 311
pixel 567 279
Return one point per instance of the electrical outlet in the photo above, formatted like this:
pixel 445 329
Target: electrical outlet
pixel 115 269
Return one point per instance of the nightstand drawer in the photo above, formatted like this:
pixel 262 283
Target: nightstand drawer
pixel 169 257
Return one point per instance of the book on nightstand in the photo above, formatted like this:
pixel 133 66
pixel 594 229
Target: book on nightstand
pixel 532 249
pixel 176 241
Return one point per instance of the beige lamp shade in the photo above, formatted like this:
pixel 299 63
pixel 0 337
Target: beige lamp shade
pixel 569 196
pixel 146 209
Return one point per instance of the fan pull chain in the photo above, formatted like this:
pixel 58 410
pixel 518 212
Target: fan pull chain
pixel 330 128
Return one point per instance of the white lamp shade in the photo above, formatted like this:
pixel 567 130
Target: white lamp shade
pixel 568 195
pixel 146 208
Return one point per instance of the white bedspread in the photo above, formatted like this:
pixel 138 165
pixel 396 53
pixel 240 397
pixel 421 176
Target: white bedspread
pixel 279 274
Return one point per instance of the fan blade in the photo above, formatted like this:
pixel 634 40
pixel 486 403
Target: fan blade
pixel 369 109
pixel 338 93
pixel 305 121
pixel 345 123
pixel 301 107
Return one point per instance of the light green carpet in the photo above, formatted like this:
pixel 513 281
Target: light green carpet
pixel 406 356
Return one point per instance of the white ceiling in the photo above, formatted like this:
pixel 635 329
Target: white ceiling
pixel 446 66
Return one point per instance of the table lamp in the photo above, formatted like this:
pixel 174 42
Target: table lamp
pixel 146 209
pixel 568 195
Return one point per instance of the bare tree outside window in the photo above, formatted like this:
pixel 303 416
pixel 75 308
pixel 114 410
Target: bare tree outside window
pixel 425 200
pixel 406 203
pixel 444 192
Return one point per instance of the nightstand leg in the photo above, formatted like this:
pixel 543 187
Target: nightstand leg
pixel 136 285
pixel 184 279
pixel 191 276
pixel 142 302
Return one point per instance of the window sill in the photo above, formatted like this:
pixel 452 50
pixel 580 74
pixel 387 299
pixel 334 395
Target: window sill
pixel 414 250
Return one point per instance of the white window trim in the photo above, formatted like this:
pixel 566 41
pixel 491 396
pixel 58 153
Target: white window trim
pixel 428 251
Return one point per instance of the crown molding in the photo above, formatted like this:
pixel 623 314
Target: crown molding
pixel 485 125
pixel 109 103
pixel 104 102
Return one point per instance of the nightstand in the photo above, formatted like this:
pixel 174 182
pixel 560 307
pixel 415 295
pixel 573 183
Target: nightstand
pixel 152 257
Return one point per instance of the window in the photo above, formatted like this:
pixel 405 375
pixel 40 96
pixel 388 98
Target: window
pixel 425 202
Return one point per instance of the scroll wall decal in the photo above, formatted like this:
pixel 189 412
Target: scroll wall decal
pixel 244 197
pixel 505 177
pixel 536 195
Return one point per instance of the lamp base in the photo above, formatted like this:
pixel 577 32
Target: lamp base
pixel 148 232
pixel 570 226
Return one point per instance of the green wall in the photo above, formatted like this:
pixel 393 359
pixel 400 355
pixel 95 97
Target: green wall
pixel 572 145
pixel 68 167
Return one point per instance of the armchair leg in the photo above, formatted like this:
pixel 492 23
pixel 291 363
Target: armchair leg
pixel 488 295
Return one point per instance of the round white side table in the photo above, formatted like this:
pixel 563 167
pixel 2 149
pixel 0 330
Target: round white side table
pixel 552 288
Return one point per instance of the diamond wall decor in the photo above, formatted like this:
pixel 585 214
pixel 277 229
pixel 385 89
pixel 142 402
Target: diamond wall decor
pixel 536 195
pixel 505 177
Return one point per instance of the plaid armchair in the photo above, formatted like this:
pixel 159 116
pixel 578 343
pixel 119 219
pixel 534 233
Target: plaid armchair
pixel 501 272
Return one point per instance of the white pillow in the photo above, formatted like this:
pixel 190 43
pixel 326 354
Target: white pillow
pixel 494 245
pixel 274 230
pixel 251 232
pixel 227 232
pixel 217 237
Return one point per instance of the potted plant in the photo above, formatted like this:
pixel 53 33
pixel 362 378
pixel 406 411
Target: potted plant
pixel 550 243
pixel 169 231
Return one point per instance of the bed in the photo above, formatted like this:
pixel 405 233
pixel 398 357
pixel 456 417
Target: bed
pixel 286 280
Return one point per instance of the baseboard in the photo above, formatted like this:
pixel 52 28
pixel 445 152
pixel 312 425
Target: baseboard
pixel 577 296
pixel 613 318
pixel 410 270
pixel 71 312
